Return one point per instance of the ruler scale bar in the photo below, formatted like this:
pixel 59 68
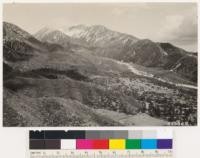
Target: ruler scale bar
pixel 101 153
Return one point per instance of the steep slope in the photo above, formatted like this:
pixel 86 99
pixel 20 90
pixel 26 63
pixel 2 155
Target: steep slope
pixel 21 49
pixel 181 61
pixel 43 32
pixel 142 52
pixel 123 47
pixel 13 33
pixel 148 53
pixel 60 87
pixel 56 36
pixel 187 67
pixel 53 36
pixel 119 46
pixel 174 54
pixel 46 111
pixel 102 41
pixel 17 44
pixel 52 85
pixel 99 36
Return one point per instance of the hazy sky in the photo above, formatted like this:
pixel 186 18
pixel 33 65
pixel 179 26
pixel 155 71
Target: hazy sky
pixel 163 22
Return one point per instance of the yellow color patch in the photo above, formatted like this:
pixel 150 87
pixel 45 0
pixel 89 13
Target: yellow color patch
pixel 117 144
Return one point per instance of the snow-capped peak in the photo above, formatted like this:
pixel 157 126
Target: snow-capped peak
pixel 98 35
pixel 44 31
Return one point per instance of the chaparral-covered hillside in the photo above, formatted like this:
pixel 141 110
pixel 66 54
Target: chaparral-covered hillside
pixel 94 76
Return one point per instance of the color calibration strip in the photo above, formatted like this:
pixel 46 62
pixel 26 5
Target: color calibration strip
pixel 101 140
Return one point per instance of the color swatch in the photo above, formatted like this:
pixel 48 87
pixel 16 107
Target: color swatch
pixel 149 144
pixel 117 144
pixel 104 140
pixel 133 144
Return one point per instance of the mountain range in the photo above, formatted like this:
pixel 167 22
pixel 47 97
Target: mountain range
pixel 90 76
pixel 102 41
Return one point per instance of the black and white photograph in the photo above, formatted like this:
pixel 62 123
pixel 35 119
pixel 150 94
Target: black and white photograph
pixel 100 64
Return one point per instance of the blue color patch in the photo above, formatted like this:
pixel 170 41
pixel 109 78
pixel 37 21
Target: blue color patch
pixel 149 144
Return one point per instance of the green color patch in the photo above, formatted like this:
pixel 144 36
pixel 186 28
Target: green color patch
pixel 133 144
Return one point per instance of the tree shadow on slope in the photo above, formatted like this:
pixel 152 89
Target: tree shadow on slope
pixel 16 84
pixel 56 74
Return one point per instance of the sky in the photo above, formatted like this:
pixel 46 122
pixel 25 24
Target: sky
pixel 161 22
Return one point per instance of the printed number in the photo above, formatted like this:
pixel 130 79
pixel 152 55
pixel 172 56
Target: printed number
pixel 86 152
pixel 72 152
pixel 58 152
pixel 114 152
